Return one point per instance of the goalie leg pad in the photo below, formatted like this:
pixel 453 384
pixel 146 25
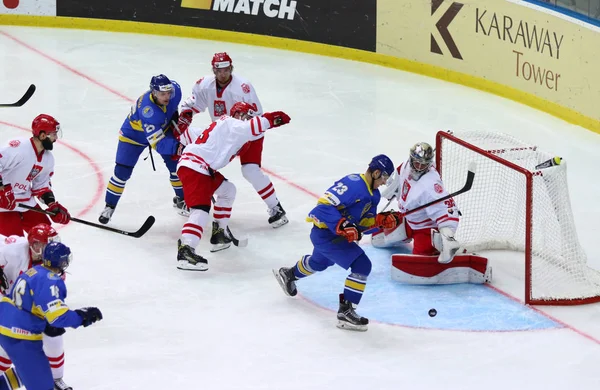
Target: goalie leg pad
pixel 417 269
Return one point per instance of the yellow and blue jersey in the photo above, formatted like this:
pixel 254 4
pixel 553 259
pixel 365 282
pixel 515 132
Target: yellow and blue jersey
pixel 147 123
pixel 37 297
pixel 350 197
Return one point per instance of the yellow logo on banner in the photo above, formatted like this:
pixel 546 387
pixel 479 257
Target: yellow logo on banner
pixel 200 4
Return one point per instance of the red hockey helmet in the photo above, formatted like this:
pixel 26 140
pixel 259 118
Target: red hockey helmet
pixel 44 123
pixel 242 108
pixel 40 235
pixel 221 60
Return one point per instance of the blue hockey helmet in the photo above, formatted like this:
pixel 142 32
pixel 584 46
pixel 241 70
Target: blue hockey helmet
pixel 161 83
pixel 57 255
pixel 383 163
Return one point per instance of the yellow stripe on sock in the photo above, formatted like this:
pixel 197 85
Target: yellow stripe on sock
pixel 355 285
pixel 11 375
pixel 114 188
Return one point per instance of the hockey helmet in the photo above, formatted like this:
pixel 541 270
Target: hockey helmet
pixel 46 124
pixel 421 156
pixel 161 83
pixel 383 163
pixel 57 255
pixel 221 60
pixel 39 236
pixel 243 108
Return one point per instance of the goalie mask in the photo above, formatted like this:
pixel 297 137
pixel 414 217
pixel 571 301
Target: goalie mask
pixel 421 157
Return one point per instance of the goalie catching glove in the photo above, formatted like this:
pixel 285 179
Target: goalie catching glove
pixel 348 230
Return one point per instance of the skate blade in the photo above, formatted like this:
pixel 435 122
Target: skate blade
pixel 280 222
pixel 187 266
pixel 219 247
pixel 348 326
pixel 281 283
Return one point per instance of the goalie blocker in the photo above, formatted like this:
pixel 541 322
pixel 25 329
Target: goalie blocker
pixel 420 269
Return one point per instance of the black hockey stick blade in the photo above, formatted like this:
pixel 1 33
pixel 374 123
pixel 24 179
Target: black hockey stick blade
pixel 137 234
pixel 24 99
pixel 239 243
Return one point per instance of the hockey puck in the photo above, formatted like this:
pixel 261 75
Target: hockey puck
pixel 432 312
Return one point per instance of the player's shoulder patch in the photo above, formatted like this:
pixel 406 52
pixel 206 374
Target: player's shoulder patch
pixel 437 187
pixel 245 88
pixel 331 198
pixel 14 143
pixel 147 112
pixel 200 80
pixel 354 177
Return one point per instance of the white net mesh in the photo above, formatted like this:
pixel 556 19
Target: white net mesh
pixel 495 212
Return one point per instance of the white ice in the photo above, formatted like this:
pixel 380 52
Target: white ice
pixel 232 327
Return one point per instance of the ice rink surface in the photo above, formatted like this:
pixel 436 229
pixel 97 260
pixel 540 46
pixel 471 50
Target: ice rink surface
pixel 232 327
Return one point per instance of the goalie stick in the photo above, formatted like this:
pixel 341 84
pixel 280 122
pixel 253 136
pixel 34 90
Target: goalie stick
pixel 137 234
pixel 465 188
pixel 24 99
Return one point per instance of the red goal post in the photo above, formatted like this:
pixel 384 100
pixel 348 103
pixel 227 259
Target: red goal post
pixel 514 206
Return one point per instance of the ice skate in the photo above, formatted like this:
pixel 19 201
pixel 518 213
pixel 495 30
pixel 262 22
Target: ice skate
pixel 287 280
pixel 106 214
pixel 59 384
pixel 277 216
pixel 188 260
pixel 348 318
pixel 220 238
pixel 181 207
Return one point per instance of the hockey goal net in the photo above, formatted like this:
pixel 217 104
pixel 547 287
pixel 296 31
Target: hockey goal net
pixel 514 206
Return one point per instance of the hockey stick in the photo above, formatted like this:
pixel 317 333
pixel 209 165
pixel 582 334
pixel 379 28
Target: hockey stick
pixel 239 243
pixel 137 234
pixel 24 99
pixel 466 187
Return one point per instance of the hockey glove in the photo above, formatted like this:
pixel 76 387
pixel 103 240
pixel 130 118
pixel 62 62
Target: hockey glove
pixel 7 198
pixel 89 315
pixel 388 219
pixel 3 282
pixel 52 331
pixel 61 215
pixel 178 152
pixel 348 230
pixel 184 121
pixel 277 118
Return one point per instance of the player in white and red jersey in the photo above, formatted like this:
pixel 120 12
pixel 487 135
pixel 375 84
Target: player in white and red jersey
pixel 207 152
pixel 432 229
pixel 217 94
pixel 17 255
pixel 26 167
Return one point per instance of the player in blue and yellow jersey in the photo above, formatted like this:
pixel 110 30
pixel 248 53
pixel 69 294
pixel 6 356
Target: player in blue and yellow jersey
pixel 36 303
pixel 148 124
pixel 347 208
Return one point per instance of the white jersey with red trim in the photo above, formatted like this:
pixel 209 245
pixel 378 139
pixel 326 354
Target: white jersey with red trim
pixel 205 96
pixel 219 143
pixel 28 172
pixel 414 193
pixel 14 257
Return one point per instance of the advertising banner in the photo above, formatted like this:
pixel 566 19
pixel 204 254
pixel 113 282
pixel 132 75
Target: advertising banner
pixel 28 7
pixel 500 41
pixel 347 23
